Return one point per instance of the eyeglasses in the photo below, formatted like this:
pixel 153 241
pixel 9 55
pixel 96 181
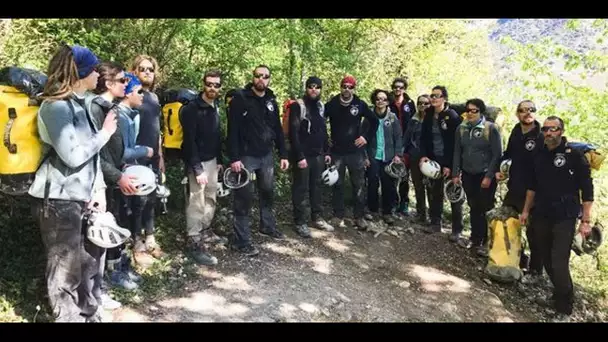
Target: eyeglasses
pixel 423 103
pixel 347 86
pixel 523 110
pixel 313 86
pixel 213 85
pixel 262 76
pixel 381 99
pixel 552 129
pixel 435 96
pixel 474 111
pixel 142 69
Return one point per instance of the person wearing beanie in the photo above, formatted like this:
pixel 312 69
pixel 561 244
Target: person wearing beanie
pixel 309 153
pixel 145 70
pixel 348 139
pixel 68 182
pixel 254 127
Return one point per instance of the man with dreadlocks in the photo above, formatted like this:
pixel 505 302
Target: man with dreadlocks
pixel 69 180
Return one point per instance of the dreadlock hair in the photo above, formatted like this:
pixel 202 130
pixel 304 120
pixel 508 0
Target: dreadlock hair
pixel 137 61
pixel 62 75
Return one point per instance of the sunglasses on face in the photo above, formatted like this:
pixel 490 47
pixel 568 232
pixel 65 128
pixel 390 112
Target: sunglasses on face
pixel 423 103
pixel 213 85
pixel 349 87
pixel 551 129
pixel 123 80
pixel 524 110
pixel 471 110
pixel 398 87
pixel 435 96
pixel 313 86
pixel 142 69
pixel 264 76
pixel 381 99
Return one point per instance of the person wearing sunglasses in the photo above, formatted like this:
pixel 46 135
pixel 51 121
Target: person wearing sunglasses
pixel 383 148
pixel 437 143
pixel 145 69
pixel 477 150
pixel 202 153
pixel 309 152
pixel 253 126
pixel 347 144
pixel 412 154
pixel 404 107
pixel 525 141
pixel 558 181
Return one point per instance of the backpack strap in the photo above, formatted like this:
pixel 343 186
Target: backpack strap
pixel 487 125
pixel 304 114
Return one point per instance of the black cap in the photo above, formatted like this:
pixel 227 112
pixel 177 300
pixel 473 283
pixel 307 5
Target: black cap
pixel 314 80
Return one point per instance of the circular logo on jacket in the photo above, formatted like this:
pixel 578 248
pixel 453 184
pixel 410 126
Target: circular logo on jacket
pixel 477 133
pixel 444 125
pixel 559 160
pixel 354 110
pixel 530 145
pixel 406 108
pixel 270 106
pixel 387 123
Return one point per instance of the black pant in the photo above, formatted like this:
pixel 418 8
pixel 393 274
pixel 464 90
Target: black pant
pixel 404 191
pixel 517 201
pixel 480 201
pixel 141 215
pixel 117 204
pixel 376 176
pixel 436 207
pixel 72 261
pixel 554 243
pixel 422 192
pixel 243 197
pixel 307 185
pixel 356 171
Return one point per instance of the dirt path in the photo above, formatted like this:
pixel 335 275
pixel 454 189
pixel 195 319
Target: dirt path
pixel 340 276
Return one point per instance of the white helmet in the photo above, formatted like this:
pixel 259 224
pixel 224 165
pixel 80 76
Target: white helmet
pixel 103 231
pixel 221 192
pixel 330 175
pixel 453 192
pixel 396 170
pixel 146 179
pixel 505 166
pixel 237 180
pixel 431 169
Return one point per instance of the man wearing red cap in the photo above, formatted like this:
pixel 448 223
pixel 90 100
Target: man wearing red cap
pixel 345 112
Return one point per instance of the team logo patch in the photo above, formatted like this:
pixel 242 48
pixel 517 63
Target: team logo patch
pixel 477 133
pixel 530 145
pixel 270 106
pixel 559 160
pixel 406 108
pixel 387 123
pixel 354 110
pixel 444 125
pixel 245 113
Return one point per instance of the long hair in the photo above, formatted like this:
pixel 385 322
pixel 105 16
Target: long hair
pixel 107 72
pixel 137 61
pixel 62 75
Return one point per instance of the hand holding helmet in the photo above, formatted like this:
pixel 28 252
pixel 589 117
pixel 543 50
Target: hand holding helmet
pixel 142 177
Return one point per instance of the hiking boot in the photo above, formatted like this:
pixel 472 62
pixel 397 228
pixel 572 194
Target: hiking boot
pixel 361 224
pixel 125 264
pixel 454 237
pixel 302 230
pixel 388 219
pixel 121 279
pixel 368 217
pixel 210 237
pixel 107 303
pixel 466 244
pixel 421 219
pixel 198 252
pixel 275 234
pixel 532 279
pixel 338 222
pixel 481 251
pixel 153 248
pixel 247 250
pixel 322 224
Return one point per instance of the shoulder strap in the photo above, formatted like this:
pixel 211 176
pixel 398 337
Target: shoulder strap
pixel 486 129
pixel 303 113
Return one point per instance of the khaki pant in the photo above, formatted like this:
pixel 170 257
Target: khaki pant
pixel 201 205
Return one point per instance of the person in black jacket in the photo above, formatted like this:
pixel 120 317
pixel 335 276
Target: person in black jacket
pixel 202 152
pixel 403 106
pixel 437 143
pixel 559 180
pixel 525 141
pixel 253 125
pixel 348 139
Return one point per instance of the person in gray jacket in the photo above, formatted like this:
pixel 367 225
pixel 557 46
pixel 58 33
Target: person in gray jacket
pixel 68 181
pixel 384 147
pixel 477 150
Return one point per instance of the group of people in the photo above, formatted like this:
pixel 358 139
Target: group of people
pixel 97 117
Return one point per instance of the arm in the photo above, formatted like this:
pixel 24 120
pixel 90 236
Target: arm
pixel 235 115
pixel 370 129
pixel 586 186
pixel 59 122
pixel 457 154
pixel 220 142
pixel 294 130
pixel 367 149
pixel 398 138
pixel 136 152
pixel 190 149
pixel 110 172
pixel 278 130
pixel 496 142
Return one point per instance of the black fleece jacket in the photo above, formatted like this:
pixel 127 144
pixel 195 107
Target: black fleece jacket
pixel 254 124
pixel 448 124
pixel 112 152
pixel 346 124
pixel 202 134
pixel 405 111
pixel 308 138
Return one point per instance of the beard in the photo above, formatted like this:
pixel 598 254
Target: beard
pixel 259 86
pixel 346 95
pixel 211 94
pixel 553 140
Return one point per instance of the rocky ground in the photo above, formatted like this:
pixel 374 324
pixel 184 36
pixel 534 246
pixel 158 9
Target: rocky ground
pixel 398 274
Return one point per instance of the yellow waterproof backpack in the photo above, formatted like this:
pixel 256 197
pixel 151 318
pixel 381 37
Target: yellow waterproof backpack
pixel 505 245
pixel 21 150
pixel 172 101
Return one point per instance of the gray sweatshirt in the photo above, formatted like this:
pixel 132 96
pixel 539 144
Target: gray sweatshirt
pixel 74 172
pixel 477 148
